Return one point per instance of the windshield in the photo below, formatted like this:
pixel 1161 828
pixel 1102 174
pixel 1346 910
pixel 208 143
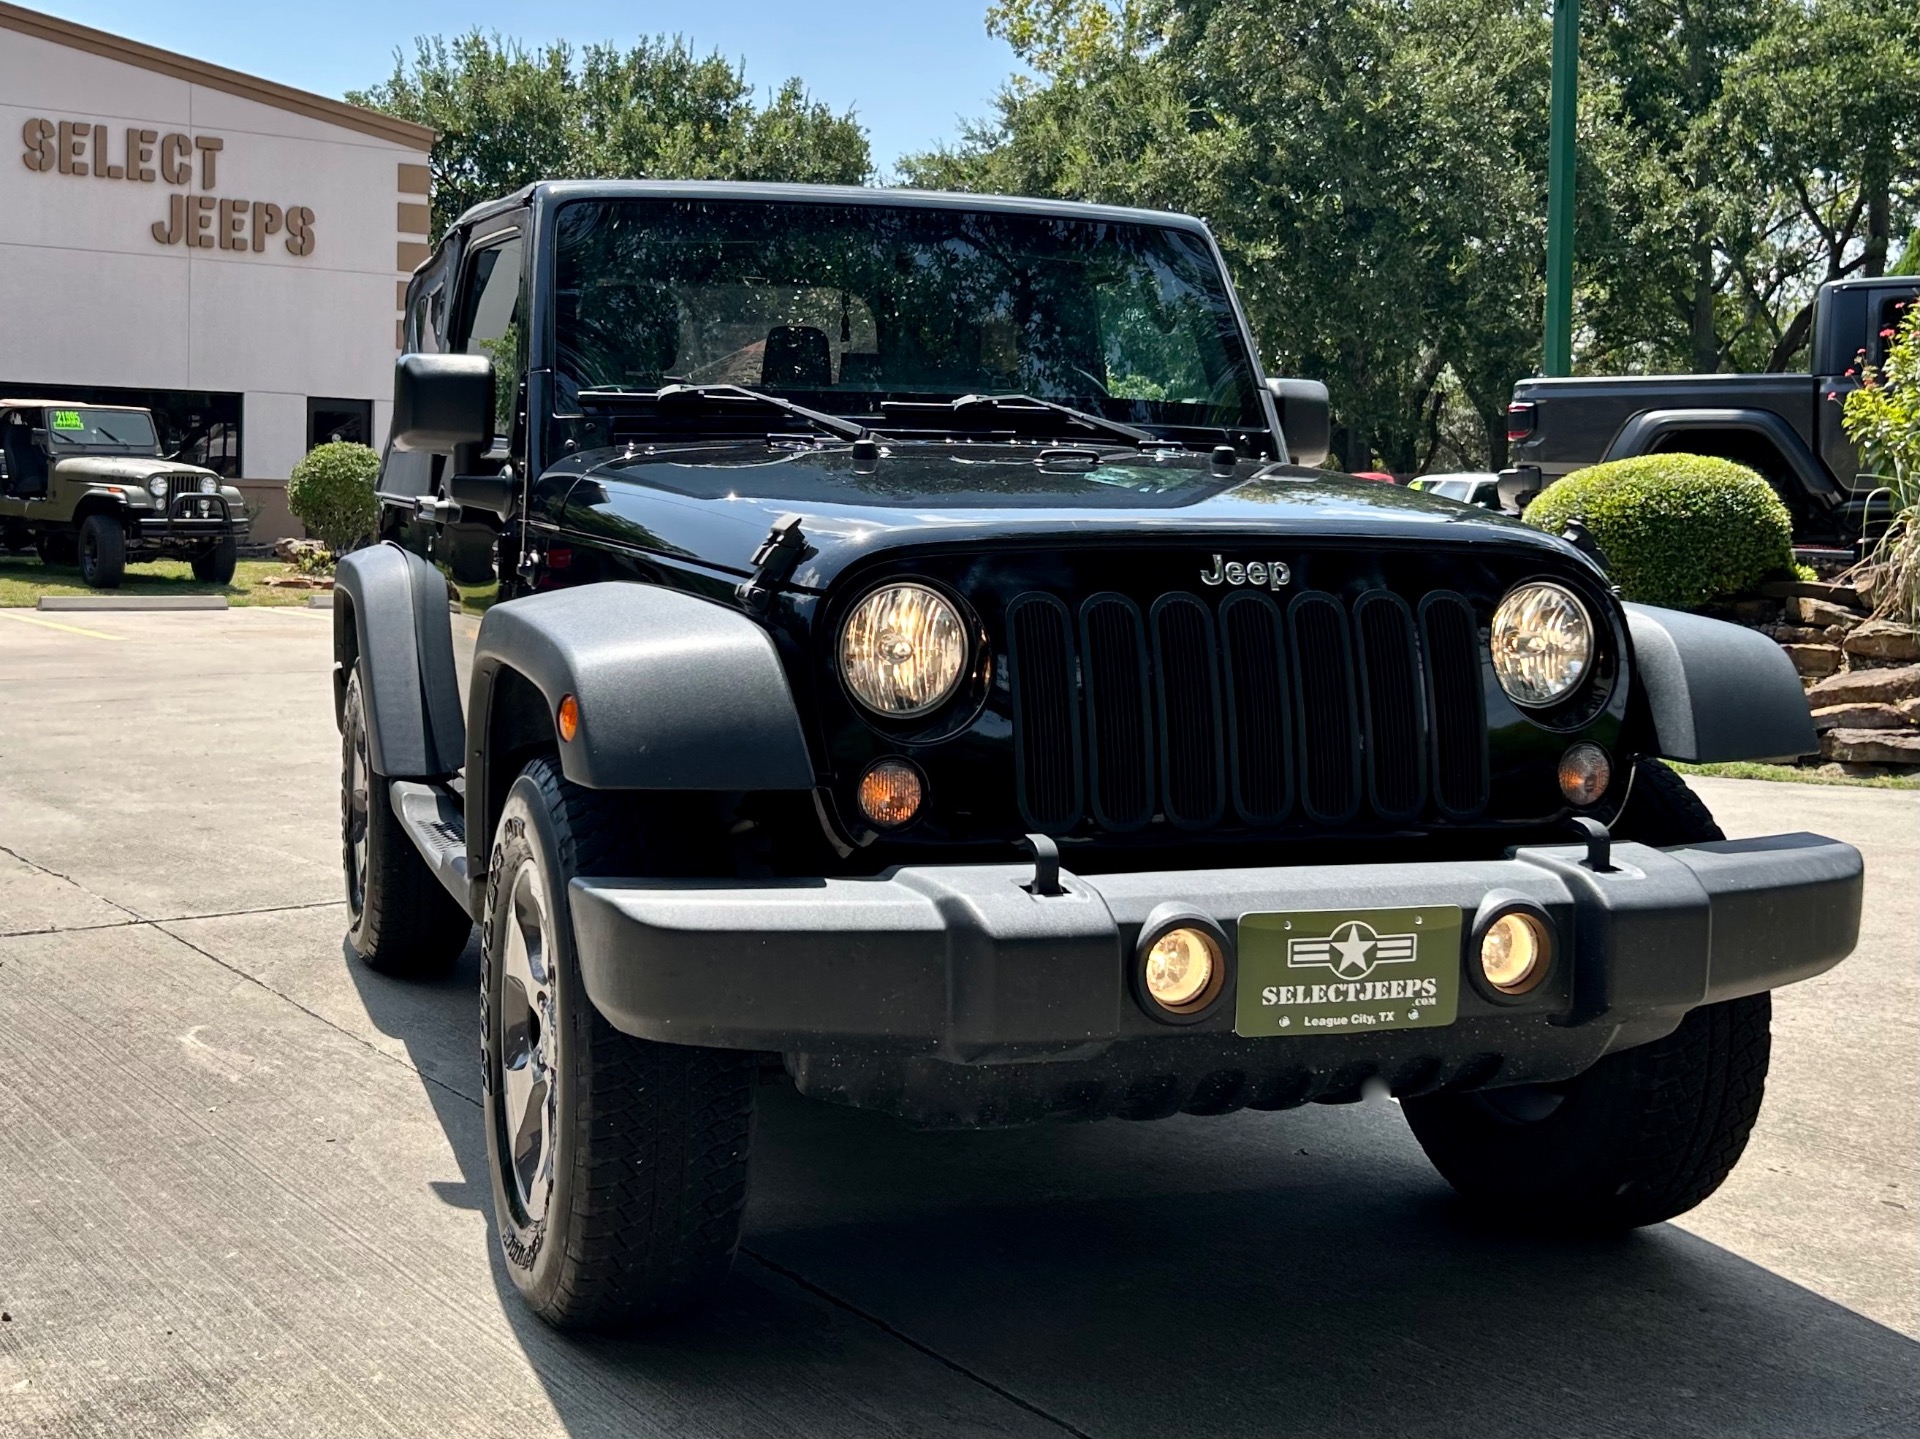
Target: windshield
pixel 845 306
pixel 121 432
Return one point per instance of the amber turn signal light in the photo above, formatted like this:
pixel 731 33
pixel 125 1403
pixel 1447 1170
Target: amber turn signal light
pixel 891 793
pixel 569 718
pixel 1585 773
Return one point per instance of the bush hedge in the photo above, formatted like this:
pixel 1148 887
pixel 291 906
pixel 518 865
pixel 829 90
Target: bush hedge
pixel 331 493
pixel 1677 530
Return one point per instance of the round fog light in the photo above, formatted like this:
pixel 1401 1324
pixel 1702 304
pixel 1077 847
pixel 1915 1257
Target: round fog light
pixel 1181 969
pixel 1585 772
pixel 1513 953
pixel 890 793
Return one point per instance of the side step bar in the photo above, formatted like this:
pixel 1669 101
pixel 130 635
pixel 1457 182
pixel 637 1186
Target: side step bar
pixel 436 821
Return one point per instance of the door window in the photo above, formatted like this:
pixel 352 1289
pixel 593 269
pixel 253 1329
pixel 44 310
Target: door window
pixel 492 323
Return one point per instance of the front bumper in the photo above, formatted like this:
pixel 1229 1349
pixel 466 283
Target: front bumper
pixel 190 519
pixel 963 964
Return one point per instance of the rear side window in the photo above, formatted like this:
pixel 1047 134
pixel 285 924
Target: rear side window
pixel 492 322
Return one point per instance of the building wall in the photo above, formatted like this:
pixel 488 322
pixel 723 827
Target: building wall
pixel 90 296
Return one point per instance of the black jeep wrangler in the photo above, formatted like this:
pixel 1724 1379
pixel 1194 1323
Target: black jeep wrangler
pixel 926 668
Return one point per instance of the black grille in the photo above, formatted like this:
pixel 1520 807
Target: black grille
pixel 1260 703
pixel 1456 704
pixel 1192 756
pixel 1395 707
pixel 1268 708
pixel 1046 718
pixel 1113 642
pixel 1329 717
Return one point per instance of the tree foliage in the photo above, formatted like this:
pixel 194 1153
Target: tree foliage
pixel 1376 172
pixel 507 115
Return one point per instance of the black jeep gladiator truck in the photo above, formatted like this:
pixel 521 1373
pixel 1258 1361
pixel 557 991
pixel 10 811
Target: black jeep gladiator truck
pixel 926 671
pixel 1786 426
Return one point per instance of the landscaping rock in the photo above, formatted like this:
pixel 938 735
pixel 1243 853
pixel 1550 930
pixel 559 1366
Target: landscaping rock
pixel 1888 686
pixel 1839 594
pixel 1794 634
pixel 1910 710
pixel 293 551
pixel 1814 659
pixel 1860 716
pixel 1872 746
pixel 1820 613
pixel 1883 640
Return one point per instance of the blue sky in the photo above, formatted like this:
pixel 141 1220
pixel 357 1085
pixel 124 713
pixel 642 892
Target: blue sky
pixel 912 69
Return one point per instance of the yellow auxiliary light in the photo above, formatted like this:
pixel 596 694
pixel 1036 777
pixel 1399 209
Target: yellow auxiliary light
pixel 1514 952
pixel 1183 969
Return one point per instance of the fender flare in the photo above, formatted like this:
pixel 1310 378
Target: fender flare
pixel 675 693
pixel 1639 435
pixel 390 616
pixel 1717 691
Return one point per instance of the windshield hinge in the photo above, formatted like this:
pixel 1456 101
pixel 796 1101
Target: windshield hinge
pixel 774 562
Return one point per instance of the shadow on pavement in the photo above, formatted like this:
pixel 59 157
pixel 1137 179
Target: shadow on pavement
pixel 1302 1273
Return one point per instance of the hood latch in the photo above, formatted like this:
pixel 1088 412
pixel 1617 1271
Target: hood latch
pixel 773 563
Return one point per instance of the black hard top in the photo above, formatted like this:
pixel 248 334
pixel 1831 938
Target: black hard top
pixel 552 191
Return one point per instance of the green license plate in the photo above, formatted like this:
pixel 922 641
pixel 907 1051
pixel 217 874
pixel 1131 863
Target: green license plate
pixel 1340 971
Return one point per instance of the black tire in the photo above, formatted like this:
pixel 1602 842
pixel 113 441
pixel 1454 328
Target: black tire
pixel 1645 1134
pixel 56 549
pixel 619 1165
pixel 103 552
pixel 400 918
pixel 215 566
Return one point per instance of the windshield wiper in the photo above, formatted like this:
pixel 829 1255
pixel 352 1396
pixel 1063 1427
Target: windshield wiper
pixel 723 395
pixel 1034 405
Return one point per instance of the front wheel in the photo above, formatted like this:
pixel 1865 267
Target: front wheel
pixel 619 1165
pixel 103 552
pixel 400 918
pixel 216 566
pixel 1646 1133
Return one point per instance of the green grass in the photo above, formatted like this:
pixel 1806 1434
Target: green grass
pixel 23 579
pixel 1791 774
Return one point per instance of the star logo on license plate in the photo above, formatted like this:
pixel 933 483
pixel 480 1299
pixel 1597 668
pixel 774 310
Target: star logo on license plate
pixel 1353 951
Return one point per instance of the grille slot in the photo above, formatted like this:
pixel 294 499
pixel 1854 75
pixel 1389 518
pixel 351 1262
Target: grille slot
pixel 1456 704
pixel 1046 713
pixel 1259 708
pixel 1393 704
pixel 1329 717
pixel 1113 647
pixel 1192 757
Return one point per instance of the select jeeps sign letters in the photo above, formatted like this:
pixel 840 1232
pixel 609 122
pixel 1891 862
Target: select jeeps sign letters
pixel 200 221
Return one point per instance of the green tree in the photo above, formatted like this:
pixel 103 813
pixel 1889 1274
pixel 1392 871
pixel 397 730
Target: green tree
pixel 507 116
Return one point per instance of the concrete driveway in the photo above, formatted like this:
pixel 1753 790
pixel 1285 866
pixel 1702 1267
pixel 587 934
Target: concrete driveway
pixel 243 1183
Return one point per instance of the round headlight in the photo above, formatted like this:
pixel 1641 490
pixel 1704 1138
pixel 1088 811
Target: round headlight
pixel 1542 643
pixel 208 485
pixel 903 650
pixel 157 487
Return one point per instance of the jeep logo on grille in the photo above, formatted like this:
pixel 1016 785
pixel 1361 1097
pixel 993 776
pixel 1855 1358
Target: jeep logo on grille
pixel 1263 574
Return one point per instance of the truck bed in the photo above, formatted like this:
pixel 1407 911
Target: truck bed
pixel 1576 419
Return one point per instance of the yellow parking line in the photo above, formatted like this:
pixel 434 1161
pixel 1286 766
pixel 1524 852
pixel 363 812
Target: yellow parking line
pixel 56 625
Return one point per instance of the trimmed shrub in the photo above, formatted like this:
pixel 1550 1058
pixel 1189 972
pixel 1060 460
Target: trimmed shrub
pixel 1677 530
pixel 331 493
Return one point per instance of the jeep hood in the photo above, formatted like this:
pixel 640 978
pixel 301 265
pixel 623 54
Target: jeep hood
pixel 713 504
pixel 121 469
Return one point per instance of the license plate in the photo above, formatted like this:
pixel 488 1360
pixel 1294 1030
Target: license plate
pixel 1342 971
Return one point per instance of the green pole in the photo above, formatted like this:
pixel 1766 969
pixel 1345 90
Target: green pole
pixel 1562 108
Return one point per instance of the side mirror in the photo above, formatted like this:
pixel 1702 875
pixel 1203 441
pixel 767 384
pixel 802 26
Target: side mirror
pixel 441 402
pixel 1517 488
pixel 1305 419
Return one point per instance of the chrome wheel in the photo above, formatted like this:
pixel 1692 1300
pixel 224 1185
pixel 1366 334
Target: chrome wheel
pixel 529 1045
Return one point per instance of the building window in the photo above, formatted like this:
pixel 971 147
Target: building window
pixel 196 427
pixel 330 420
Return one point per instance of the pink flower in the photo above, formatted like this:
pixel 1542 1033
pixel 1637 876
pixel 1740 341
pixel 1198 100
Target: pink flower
pixel 1833 394
pixel 1887 334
